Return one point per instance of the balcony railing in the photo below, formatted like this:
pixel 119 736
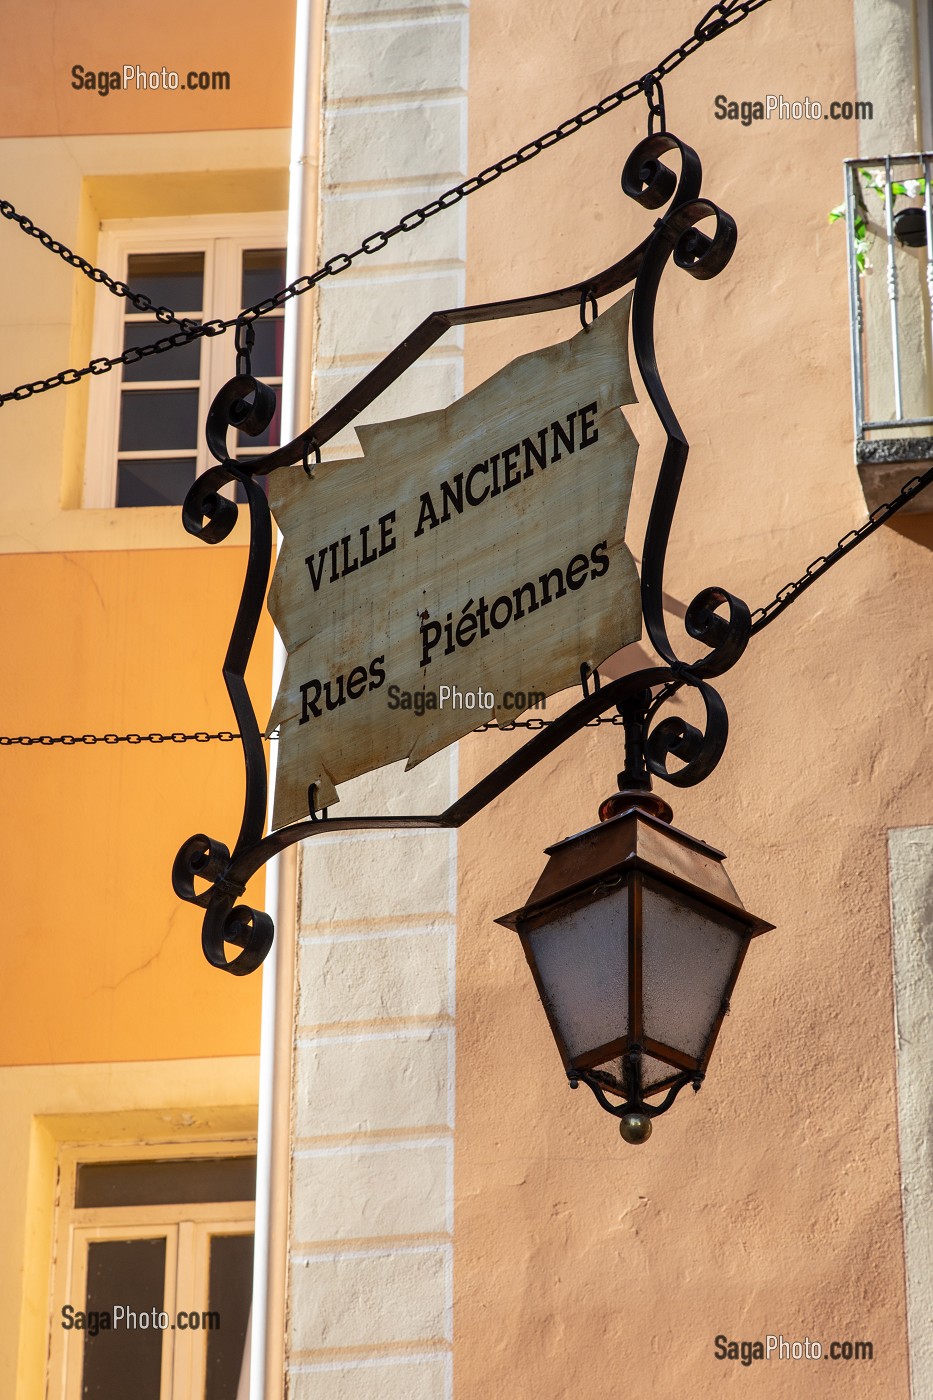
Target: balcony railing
pixel 888 214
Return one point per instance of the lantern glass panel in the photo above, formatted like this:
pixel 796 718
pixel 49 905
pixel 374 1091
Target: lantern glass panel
pixel 689 952
pixel 582 963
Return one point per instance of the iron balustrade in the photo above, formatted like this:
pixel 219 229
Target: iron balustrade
pixel 888 209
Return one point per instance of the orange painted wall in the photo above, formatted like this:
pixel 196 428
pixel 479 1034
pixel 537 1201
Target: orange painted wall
pixel 42 40
pixel 770 1203
pixel 102 961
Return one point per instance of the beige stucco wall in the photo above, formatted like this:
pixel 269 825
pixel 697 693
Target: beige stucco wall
pixel 770 1203
pixel 910 853
pixel 370 1273
pixel 526 1242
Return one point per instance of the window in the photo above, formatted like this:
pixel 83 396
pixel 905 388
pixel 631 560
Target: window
pixel 145 442
pixel 153 1274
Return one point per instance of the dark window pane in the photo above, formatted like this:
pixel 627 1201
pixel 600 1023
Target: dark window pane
pixel 124 1359
pixel 263 274
pixel 154 482
pixel 184 362
pixel 267 350
pixel 230 1289
pixel 175 280
pixel 158 418
pixel 165 1183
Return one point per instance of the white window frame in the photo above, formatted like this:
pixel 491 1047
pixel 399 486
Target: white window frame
pixel 223 238
pixel 185 1228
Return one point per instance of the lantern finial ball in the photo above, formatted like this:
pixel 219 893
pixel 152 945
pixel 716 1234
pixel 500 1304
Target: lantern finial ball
pixel 635 1127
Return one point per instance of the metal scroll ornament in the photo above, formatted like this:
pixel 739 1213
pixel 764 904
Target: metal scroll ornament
pixel 206 872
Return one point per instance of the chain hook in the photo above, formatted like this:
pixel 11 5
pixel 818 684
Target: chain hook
pixel 308 448
pixel 588 673
pixel 654 96
pixel 314 812
pixel 245 338
pixel 588 299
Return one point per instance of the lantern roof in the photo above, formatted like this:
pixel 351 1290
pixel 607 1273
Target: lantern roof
pixel 634 840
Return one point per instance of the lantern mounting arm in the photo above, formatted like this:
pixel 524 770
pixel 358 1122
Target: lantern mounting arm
pixel 203 858
pixel 248 405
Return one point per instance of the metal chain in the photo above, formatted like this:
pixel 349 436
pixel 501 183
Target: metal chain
pixel 96 274
pixel 201 737
pixel 714 22
pixel 542 724
pixel 761 617
pixel 226 736
pixel 654 96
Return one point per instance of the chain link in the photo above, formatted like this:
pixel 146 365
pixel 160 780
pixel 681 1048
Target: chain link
pixel 225 736
pixel 654 96
pixel 792 591
pixel 761 617
pixel 713 23
pixel 96 274
pixel 492 726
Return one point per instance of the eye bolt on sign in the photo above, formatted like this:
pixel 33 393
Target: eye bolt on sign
pixel 481 546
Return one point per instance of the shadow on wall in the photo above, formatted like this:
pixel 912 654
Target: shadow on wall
pixel 918 528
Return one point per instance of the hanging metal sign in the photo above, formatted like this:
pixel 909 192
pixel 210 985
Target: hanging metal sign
pixel 482 548
pixel 469 557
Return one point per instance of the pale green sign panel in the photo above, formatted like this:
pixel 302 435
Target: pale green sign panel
pixel 469 556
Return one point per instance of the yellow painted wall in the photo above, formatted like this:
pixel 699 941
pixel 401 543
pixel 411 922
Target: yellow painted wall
pixel 104 962
pixel 46 1106
pixel 770 1202
pixel 116 620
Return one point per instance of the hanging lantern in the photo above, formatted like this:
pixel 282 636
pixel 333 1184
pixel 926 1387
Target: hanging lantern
pixel 635 937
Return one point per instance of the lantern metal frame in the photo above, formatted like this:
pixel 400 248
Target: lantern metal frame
pixel 206 872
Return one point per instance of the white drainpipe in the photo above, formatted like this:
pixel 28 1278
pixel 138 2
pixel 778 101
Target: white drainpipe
pixel 267 1327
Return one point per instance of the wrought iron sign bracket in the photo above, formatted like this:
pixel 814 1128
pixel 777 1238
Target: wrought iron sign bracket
pixel 205 871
